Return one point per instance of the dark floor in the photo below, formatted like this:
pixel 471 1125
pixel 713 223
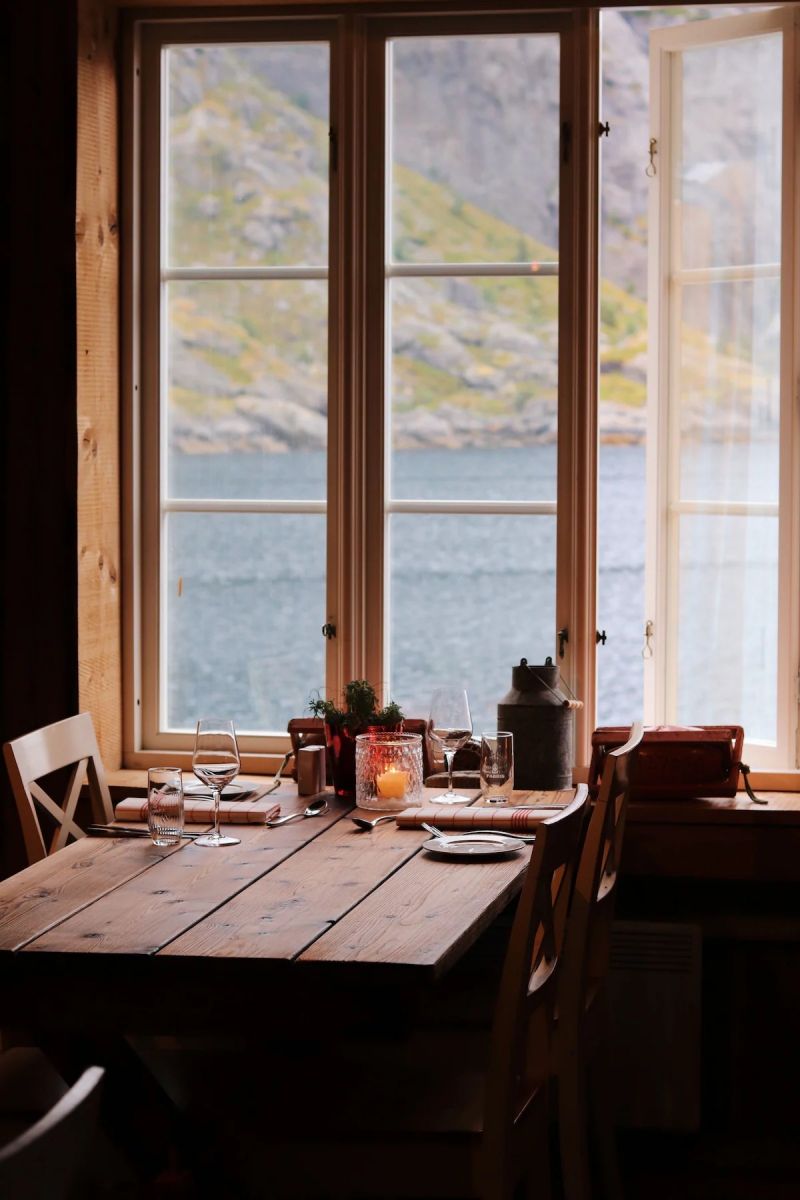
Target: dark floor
pixel 671 1167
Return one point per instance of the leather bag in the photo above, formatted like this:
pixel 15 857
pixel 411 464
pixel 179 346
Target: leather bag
pixel 678 762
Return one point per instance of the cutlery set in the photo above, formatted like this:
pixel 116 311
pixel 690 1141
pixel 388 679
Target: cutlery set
pixel 124 831
pixel 319 806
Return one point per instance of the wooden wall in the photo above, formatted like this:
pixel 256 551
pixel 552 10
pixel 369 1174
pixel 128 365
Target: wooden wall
pixel 97 239
pixel 39 592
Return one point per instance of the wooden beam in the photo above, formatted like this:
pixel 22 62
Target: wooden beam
pixel 97 267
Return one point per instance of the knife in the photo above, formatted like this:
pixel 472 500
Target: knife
pixel 124 832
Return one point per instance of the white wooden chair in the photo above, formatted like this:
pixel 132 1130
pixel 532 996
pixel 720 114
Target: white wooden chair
pixel 581 1062
pixel 68 743
pixel 42 1162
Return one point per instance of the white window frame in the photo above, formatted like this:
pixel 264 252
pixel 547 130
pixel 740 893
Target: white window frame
pixel 665 281
pixel 356 502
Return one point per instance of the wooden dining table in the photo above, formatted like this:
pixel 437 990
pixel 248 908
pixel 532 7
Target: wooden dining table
pixel 315 907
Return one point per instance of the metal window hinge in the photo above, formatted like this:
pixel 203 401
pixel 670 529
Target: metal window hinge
pixel 333 142
pixel 328 630
pixel 600 637
pixel 647 648
pixel 603 129
pixel 563 638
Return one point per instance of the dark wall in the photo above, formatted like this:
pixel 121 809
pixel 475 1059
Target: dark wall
pixel 38 442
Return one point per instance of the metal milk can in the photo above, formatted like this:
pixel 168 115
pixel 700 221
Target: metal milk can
pixel 541 717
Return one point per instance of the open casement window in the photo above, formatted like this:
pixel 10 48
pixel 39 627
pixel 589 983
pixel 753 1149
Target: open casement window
pixel 723 544
pixel 362 396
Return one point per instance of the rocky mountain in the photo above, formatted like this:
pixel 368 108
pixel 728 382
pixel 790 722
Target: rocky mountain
pixel 474 178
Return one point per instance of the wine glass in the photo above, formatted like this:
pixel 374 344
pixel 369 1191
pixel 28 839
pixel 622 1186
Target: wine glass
pixel 216 763
pixel 450 726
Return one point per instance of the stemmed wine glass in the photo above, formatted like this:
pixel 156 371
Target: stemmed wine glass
pixel 450 726
pixel 216 763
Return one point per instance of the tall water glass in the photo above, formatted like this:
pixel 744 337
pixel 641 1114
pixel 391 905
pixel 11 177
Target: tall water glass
pixel 165 805
pixel 497 767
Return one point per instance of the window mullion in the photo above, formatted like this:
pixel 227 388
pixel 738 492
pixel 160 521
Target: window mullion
pixel 576 570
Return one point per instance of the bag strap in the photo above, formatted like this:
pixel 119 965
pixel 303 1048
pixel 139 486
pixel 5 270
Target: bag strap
pixel 745 770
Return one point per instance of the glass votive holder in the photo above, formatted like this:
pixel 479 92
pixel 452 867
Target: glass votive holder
pixel 388 770
pixel 165 805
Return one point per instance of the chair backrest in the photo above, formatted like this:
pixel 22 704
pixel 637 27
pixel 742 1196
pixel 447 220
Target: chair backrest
pixel 591 909
pixel 69 743
pixel 525 1010
pixel 42 1163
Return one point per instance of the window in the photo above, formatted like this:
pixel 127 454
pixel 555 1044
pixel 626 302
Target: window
pixel 363 358
pixel 354 378
pixel 713 635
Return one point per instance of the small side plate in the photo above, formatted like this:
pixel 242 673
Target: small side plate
pixel 195 788
pixel 466 848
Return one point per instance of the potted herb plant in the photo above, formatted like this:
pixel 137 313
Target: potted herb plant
pixel 359 714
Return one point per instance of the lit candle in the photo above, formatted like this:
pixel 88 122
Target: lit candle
pixel 392 784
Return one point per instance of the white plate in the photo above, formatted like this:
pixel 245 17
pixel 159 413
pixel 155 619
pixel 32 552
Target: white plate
pixel 467 847
pixel 195 788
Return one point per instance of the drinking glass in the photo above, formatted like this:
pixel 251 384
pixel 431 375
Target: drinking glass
pixel 497 766
pixel 450 726
pixel 165 805
pixel 216 763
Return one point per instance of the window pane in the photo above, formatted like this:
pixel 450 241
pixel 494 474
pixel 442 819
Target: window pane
pixel 730 185
pixel 247 154
pixel 475 386
pixel 247 376
pixel 621 537
pixel 475 148
pixel 730 391
pixel 727 623
pixel 471 596
pixel 244 603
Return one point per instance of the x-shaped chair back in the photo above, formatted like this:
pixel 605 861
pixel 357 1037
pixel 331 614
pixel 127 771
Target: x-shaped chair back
pixel 525 1011
pixel 591 909
pixel 70 743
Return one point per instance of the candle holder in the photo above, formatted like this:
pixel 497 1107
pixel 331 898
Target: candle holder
pixel 388 770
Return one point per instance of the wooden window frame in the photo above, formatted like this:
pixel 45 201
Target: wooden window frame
pixel 108 482
pixel 664 503
pixel 356 506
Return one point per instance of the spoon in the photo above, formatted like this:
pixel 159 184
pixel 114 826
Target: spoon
pixel 315 809
pixel 365 823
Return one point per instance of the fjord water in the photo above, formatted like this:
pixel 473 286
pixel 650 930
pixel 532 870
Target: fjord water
pixel 469 595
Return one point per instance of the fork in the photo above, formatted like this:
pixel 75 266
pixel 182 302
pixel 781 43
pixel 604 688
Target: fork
pixel 276 783
pixel 467 833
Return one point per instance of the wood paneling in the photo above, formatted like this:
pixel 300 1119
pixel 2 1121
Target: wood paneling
pixel 97 266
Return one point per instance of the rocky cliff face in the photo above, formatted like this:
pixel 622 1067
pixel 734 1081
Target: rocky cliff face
pixel 475 178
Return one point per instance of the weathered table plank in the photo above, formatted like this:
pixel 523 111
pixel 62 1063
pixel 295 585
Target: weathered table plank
pixel 148 911
pixel 57 887
pixel 424 916
pixel 286 910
